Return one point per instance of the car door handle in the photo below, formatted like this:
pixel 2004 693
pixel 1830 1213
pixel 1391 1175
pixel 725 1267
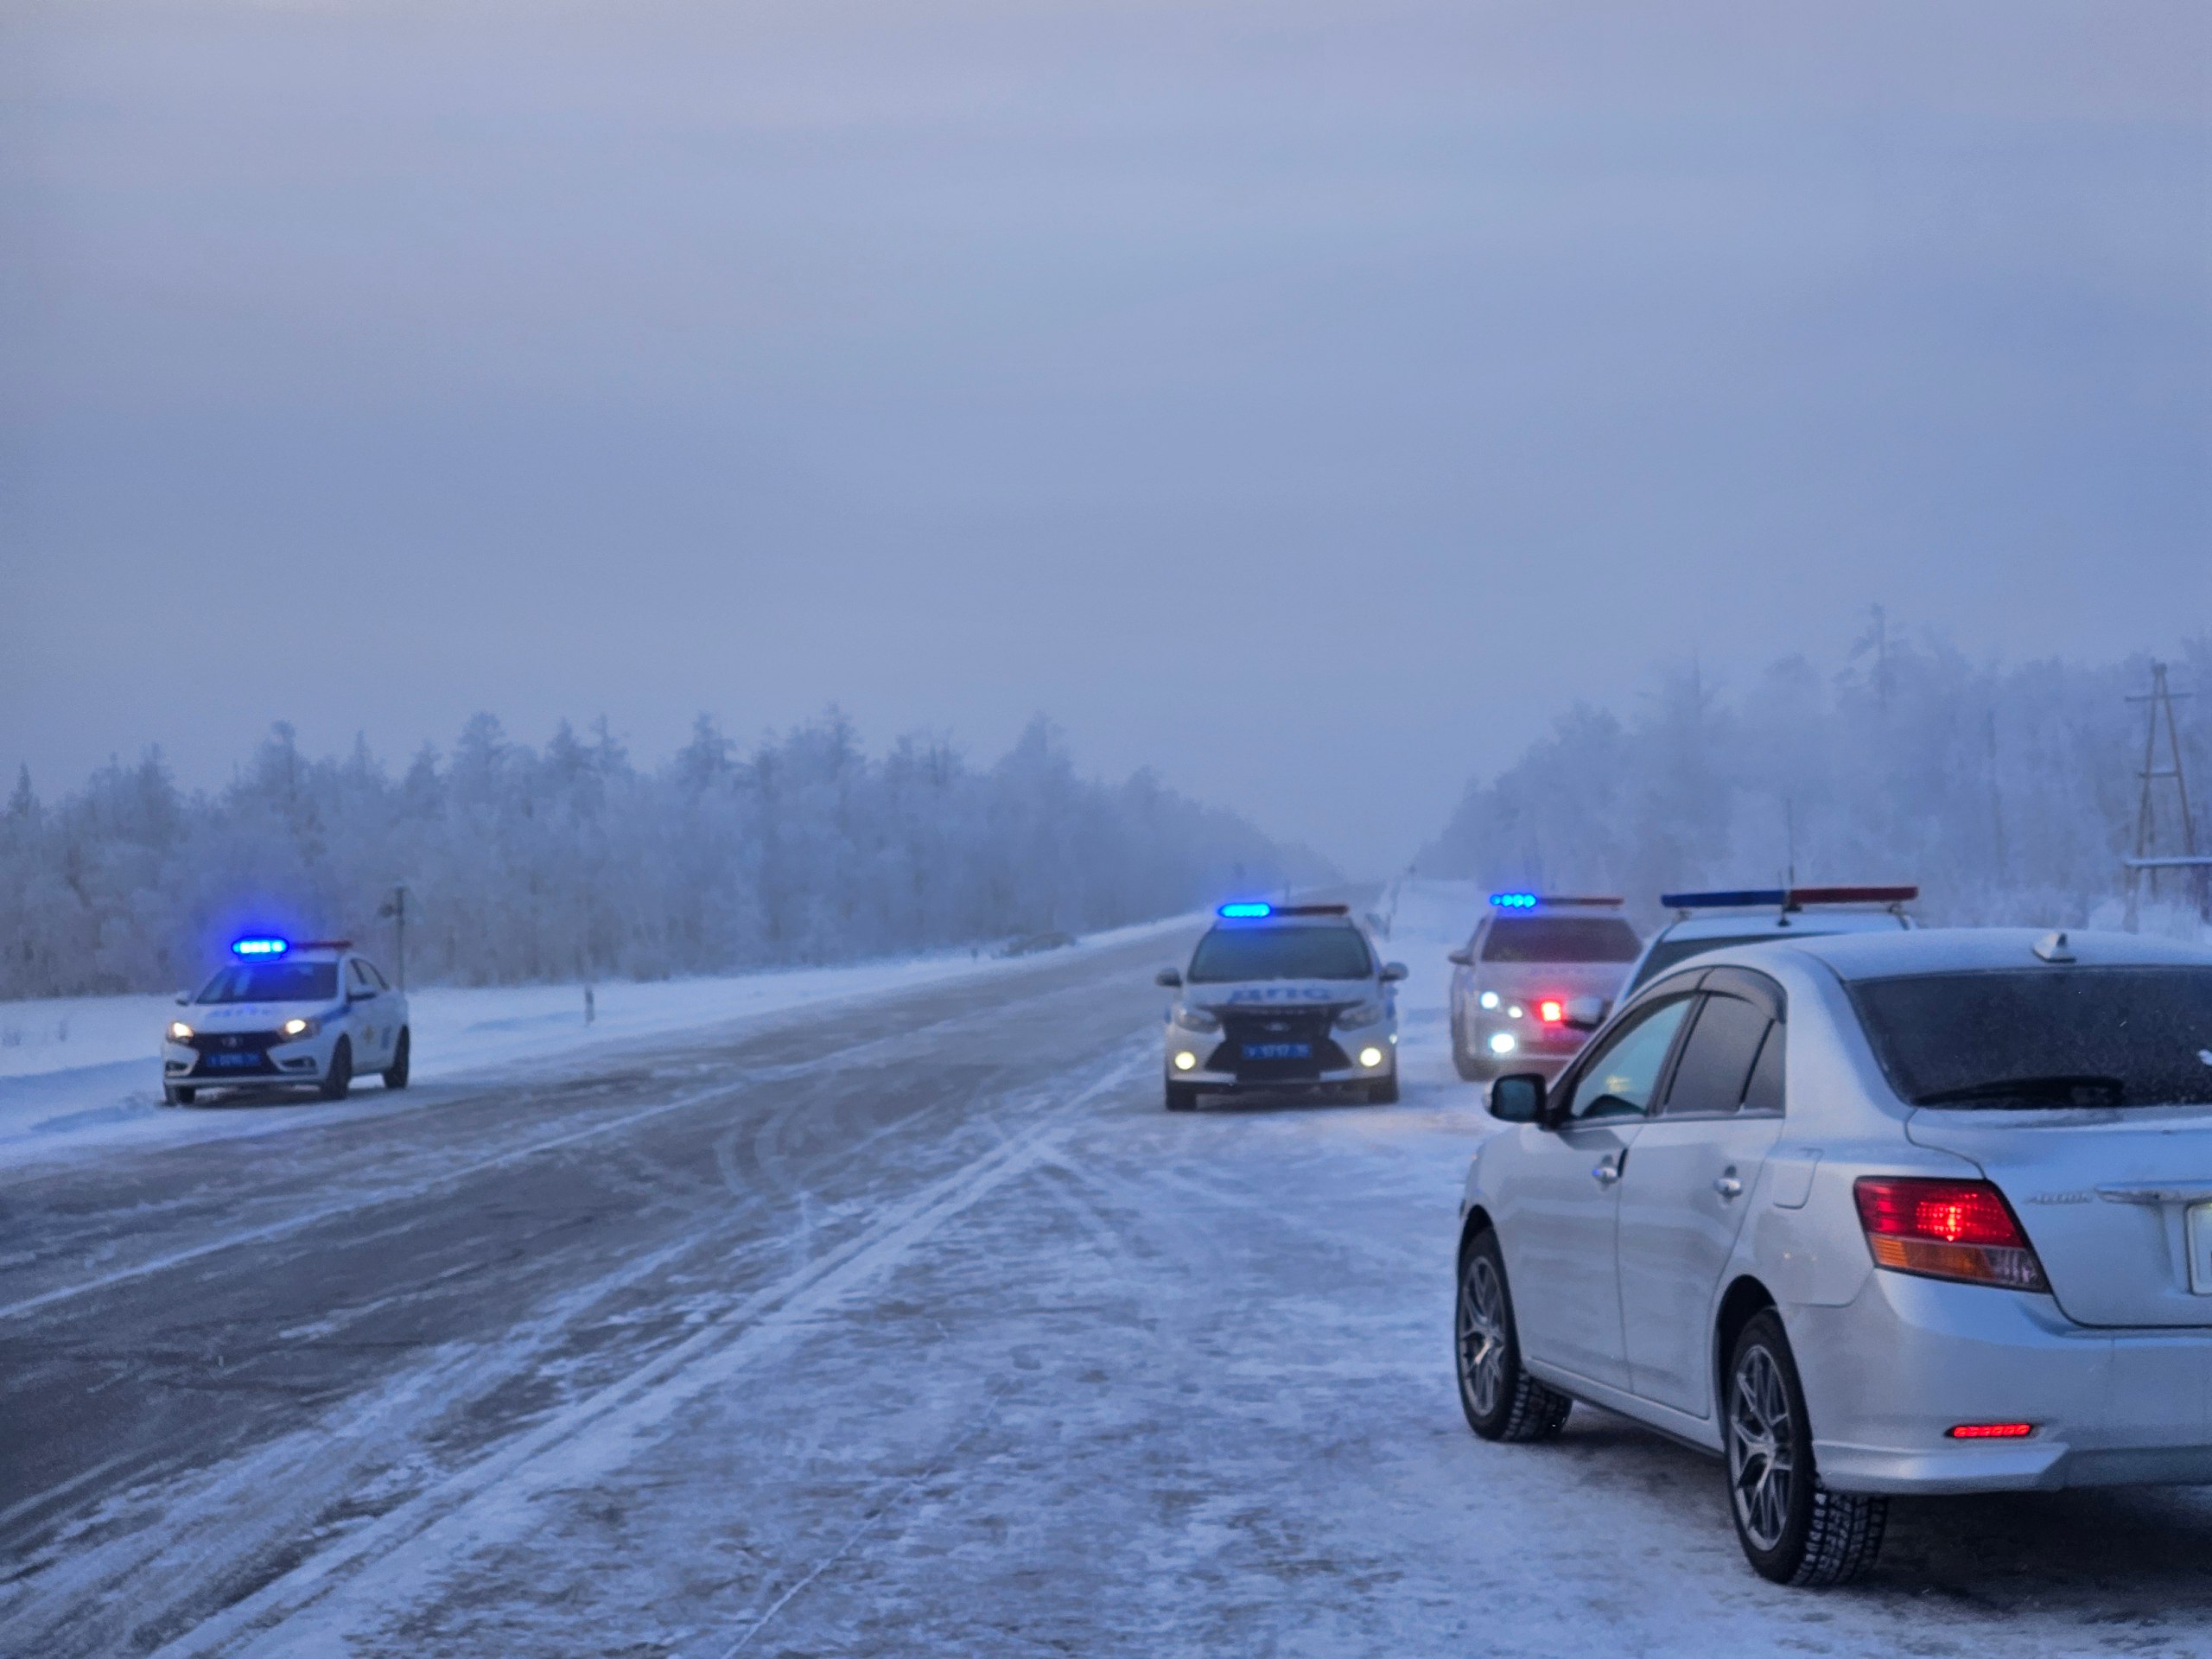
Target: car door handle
pixel 1606 1173
pixel 1728 1186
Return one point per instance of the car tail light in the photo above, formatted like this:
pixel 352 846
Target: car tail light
pixel 1551 1011
pixel 1947 1229
pixel 1991 1431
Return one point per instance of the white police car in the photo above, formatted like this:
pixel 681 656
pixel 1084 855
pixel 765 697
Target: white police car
pixel 1791 913
pixel 1283 997
pixel 1540 972
pixel 311 1013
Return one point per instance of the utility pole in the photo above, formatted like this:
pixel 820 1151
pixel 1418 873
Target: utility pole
pixel 2146 862
pixel 395 910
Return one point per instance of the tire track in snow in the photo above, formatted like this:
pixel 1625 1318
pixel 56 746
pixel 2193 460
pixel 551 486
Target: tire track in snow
pixel 308 1609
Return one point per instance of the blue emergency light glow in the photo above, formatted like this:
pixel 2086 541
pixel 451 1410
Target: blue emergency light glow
pixel 1236 911
pixel 1514 900
pixel 253 947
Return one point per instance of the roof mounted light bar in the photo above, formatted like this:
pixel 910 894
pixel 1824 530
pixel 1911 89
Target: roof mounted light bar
pixel 1787 897
pixel 259 946
pixel 1530 900
pixel 1256 911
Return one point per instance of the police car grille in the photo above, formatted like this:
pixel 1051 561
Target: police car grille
pixel 226 1042
pixel 1271 1027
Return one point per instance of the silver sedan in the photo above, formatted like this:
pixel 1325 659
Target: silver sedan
pixel 1914 1212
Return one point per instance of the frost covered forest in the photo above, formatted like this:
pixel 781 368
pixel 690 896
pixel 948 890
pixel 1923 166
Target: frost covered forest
pixel 2009 793
pixel 572 861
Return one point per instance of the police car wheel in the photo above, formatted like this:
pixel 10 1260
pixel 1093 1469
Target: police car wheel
pixel 1182 1097
pixel 395 1075
pixel 1469 1069
pixel 172 1096
pixel 339 1078
pixel 1384 1093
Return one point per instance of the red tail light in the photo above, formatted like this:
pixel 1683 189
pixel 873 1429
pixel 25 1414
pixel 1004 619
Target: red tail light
pixel 1551 1011
pixel 1991 1431
pixel 1947 1229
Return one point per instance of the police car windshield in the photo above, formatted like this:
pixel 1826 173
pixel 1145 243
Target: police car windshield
pixel 274 982
pixel 1560 939
pixel 1233 953
pixel 1665 954
pixel 2056 1037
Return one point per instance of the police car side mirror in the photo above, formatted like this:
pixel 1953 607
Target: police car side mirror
pixel 359 994
pixel 184 999
pixel 1393 971
pixel 1583 1012
pixel 1168 980
pixel 1461 958
pixel 1518 1097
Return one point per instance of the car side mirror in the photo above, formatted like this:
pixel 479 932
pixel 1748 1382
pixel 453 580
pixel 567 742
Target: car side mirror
pixel 1168 980
pixel 184 999
pixel 359 994
pixel 1392 972
pixel 1585 1012
pixel 1518 1097
pixel 1462 957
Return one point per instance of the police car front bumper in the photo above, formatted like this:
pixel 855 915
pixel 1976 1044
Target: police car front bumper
pixel 302 1061
pixel 1206 1060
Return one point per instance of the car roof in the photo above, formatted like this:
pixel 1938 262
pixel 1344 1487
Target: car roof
pixel 1966 949
pixel 1796 924
pixel 1263 923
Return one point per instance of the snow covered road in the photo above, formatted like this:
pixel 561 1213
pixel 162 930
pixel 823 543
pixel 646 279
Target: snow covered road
pixel 909 1327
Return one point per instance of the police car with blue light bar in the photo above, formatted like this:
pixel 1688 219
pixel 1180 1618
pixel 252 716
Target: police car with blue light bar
pixel 1713 921
pixel 287 1013
pixel 1540 971
pixel 1282 997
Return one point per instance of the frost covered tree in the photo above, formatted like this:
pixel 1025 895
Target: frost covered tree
pixel 2007 792
pixel 572 861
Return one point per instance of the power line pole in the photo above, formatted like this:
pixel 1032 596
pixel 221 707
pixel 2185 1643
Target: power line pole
pixel 2146 862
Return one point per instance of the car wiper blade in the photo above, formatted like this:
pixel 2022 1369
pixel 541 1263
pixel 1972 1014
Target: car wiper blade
pixel 2063 1089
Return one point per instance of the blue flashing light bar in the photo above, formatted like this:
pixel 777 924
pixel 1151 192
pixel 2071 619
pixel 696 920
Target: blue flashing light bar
pixel 259 947
pixel 1235 913
pixel 1731 898
pixel 1514 900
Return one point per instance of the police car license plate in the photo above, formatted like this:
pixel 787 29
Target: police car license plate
pixel 1278 1051
pixel 235 1062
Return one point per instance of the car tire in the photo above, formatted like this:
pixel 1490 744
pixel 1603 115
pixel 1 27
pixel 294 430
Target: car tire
pixel 1181 1098
pixel 1502 1401
pixel 339 1080
pixel 1384 1093
pixel 1793 1528
pixel 395 1075
pixel 172 1096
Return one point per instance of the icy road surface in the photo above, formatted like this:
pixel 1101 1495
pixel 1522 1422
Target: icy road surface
pixel 914 1327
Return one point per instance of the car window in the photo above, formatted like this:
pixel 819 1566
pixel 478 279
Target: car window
pixel 1560 939
pixel 375 974
pixel 360 976
pixel 1618 1081
pixel 1228 954
pixel 273 981
pixel 1718 1055
pixel 1764 1093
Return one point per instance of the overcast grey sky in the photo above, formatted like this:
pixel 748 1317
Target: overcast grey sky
pixel 1310 400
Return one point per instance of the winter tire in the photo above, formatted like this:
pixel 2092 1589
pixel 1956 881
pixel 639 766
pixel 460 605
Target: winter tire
pixel 395 1075
pixel 1793 1528
pixel 172 1096
pixel 339 1080
pixel 1503 1401
pixel 1182 1097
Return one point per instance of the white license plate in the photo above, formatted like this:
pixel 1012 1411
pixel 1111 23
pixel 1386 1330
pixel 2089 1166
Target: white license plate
pixel 2200 1248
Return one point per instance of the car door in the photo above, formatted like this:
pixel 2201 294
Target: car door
pixel 1684 1196
pixel 365 1009
pixel 1560 1196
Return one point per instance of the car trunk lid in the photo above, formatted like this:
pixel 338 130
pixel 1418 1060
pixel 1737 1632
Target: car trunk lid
pixel 2105 1196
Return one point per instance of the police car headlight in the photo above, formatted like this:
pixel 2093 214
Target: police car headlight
pixel 1197 1020
pixel 1360 1013
pixel 1489 999
pixel 179 1032
pixel 294 1031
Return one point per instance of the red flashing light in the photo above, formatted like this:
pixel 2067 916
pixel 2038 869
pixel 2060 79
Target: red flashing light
pixel 1947 1229
pixel 1991 1431
pixel 1551 1011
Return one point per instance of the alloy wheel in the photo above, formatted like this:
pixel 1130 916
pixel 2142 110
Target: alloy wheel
pixel 1762 1466
pixel 1481 1335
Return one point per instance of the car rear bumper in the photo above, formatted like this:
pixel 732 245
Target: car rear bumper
pixel 1889 1374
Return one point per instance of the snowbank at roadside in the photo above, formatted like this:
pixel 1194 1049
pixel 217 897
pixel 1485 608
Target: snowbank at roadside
pixel 86 1068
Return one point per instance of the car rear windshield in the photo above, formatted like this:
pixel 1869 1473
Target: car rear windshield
pixel 2056 1037
pixel 1665 954
pixel 1560 939
pixel 274 982
pixel 1235 953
